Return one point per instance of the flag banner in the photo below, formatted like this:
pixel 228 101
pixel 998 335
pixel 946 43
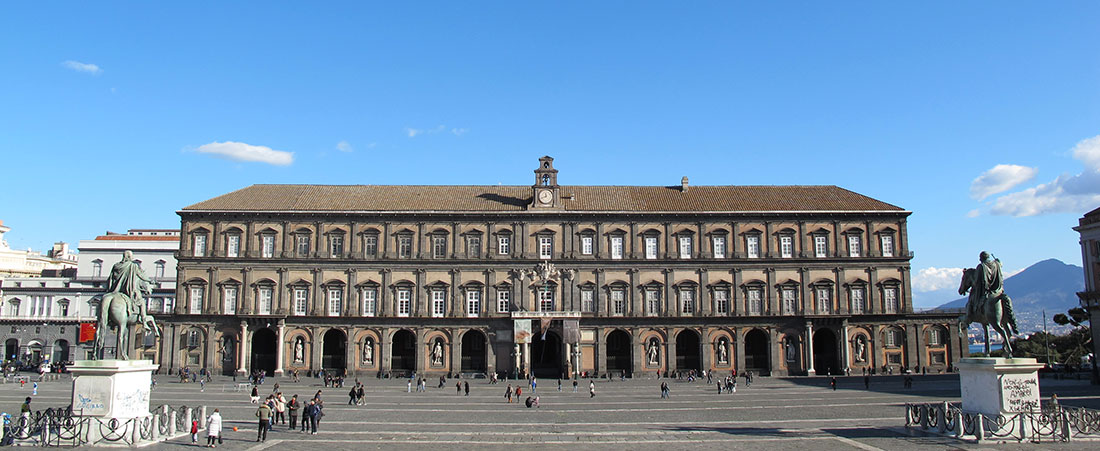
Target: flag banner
pixel 572 328
pixel 87 332
pixel 522 331
pixel 544 324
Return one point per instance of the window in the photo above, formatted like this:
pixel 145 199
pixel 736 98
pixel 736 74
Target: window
pixel 233 245
pixel 722 302
pixel 685 247
pixel 853 246
pixel 618 301
pixel 588 300
pixel 887 245
pixel 263 300
pixel 894 338
pixel 755 301
pixel 159 268
pixel 155 305
pixel 439 246
pixel 938 358
pixel 786 246
pixel 267 243
pixel 169 304
pixel 439 303
pixel 790 301
pixel 890 299
pixel 546 299
pixel 687 301
pixel 752 246
pixel 336 246
pixel 301 298
pixel 586 245
pixel 473 303
pixel 719 245
pixel 504 300
pixel 404 246
pixel 370 301
pixel 335 301
pixel 13 309
pixel 617 247
pixel 302 245
pixel 821 246
pixel 193 339
pixel 651 248
pixel 935 337
pixel 229 300
pixel 63 308
pixel 503 245
pixel 859 305
pixel 824 301
pixel 473 246
pixel 546 247
pixel 404 301
pixel 199 247
pixel 196 299
pixel 652 302
pixel 370 245
pixel 97 268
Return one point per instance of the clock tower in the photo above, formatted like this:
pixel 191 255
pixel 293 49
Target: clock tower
pixel 546 192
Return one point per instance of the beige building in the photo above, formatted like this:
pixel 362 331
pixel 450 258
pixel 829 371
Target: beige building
pixel 550 279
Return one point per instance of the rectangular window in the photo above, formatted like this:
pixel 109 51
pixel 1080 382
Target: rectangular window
pixel 404 302
pixel 439 303
pixel 685 247
pixel 588 301
pixel 473 246
pixel 935 338
pixel 268 245
pixel 370 301
pixel 439 246
pixel 786 246
pixel 503 245
pixel 586 245
pixel 473 303
pixel 504 301
pixel 169 305
pixel 859 305
pixel 230 304
pixel 821 246
pixel 687 302
pixel 546 247
pixel 159 270
pixel 722 302
pixel 404 246
pixel 790 301
pixel 265 296
pixel 302 246
pixel 752 246
pixel 370 245
pixel 891 338
pixel 546 299
pixel 335 301
pixel 196 300
pixel 824 301
pixel 890 299
pixel 97 269
pixel 301 297
pixel 618 302
pixel 336 246
pixel 200 245
pixel 887 245
pixel 755 301
pixel 617 247
pixel 233 246
pixel 652 302
pixel 854 247
pixel 719 245
pixel 651 248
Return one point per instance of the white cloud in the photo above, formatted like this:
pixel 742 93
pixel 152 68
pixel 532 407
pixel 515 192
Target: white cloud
pixel 459 131
pixel 236 151
pixel 1001 178
pixel 414 132
pixel 932 278
pixel 82 67
pixel 344 146
pixel 1065 194
pixel 973 213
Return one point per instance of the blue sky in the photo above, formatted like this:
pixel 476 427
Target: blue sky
pixel 914 104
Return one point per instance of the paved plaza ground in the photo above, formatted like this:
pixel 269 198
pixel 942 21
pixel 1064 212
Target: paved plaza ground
pixel 773 414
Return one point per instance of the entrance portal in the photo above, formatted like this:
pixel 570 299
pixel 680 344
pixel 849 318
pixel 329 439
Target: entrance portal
pixel 618 352
pixel 473 352
pixel 546 356
pixel 60 351
pixel 756 352
pixel 263 351
pixel 334 351
pixel 687 351
pixel 11 349
pixel 825 356
pixel 403 351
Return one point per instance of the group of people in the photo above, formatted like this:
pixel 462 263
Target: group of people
pixel 271 412
pixel 355 396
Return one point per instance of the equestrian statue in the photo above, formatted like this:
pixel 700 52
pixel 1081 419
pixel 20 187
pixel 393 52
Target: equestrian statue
pixel 124 305
pixel 988 304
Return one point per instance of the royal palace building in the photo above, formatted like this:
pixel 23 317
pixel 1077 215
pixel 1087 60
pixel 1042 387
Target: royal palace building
pixel 548 279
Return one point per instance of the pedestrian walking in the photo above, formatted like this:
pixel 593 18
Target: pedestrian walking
pixel 202 385
pixel 255 396
pixel 292 409
pixel 264 414
pixel 508 394
pixel 866 381
pixel 591 389
pixel 214 428
pixel 458 387
pixel 534 385
pixel 351 397
pixel 519 392
pixel 664 390
pixel 194 432
pixel 409 386
pixel 559 385
pixel 466 388
pixel 359 396
pixel 833 382
pixel 308 417
pixel 574 385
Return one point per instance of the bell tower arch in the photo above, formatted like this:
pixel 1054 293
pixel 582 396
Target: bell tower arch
pixel 546 194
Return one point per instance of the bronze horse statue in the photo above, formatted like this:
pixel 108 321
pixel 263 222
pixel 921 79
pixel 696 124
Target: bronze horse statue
pixel 116 314
pixel 996 312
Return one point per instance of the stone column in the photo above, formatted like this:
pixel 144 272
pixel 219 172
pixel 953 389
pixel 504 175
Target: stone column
pixel 672 366
pixel 810 349
pixel 571 368
pixel 351 352
pixel 421 351
pixel 242 356
pixel 386 347
pixel 517 355
pixel 739 350
pixel 280 293
pixel 637 353
pixel 706 349
pixel 735 292
pixel 876 348
pixel 914 346
pixel 280 348
pixel 351 298
pixel 704 291
pixel 770 297
pixel 456 351
pixel 383 294
pixel 315 298
pixel 776 351
pixel 315 348
pixel 601 352
pixel 844 347
pixel 527 359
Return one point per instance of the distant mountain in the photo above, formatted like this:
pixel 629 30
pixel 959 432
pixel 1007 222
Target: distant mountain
pixel 1048 285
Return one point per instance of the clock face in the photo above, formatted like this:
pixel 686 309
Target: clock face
pixel 545 196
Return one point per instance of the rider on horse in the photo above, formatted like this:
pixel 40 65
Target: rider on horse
pixel 989 286
pixel 128 279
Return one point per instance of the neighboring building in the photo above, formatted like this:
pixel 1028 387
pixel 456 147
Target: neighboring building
pixel 552 279
pixel 16 263
pixel 1089 229
pixel 42 315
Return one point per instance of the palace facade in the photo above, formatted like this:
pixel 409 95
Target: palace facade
pixel 548 279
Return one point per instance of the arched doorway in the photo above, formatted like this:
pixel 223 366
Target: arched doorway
pixel 756 352
pixel 825 355
pixel 263 350
pixel 546 356
pixel 34 352
pixel 473 352
pixel 618 352
pixel 11 349
pixel 60 351
pixel 403 351
pixel 334 351
pixel 687 351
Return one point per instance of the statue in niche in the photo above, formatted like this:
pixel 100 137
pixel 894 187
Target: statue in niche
pixel 227 348
pixel 861 349
pixel 437 353
pixel 723 351
pixel 653 354
pixel 368 351
pixel 791 348
pixel 299 350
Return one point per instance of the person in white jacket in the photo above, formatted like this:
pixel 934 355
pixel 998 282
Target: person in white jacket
pixel 214 428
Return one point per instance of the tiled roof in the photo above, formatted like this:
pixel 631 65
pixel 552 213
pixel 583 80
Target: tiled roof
pixel 497 198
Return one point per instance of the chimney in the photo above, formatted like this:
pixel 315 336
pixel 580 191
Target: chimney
pixel 684 184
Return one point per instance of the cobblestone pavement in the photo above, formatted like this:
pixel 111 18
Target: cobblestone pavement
pixel 773 414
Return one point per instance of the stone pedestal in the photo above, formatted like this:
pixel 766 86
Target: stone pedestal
pixel 115 395
pixel 999 386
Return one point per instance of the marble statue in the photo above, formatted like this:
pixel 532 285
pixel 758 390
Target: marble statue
pixel 861 349
pixel 653 353
pixel 299 350
pixel 368 351
pixel 437 353
pixel 723 351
